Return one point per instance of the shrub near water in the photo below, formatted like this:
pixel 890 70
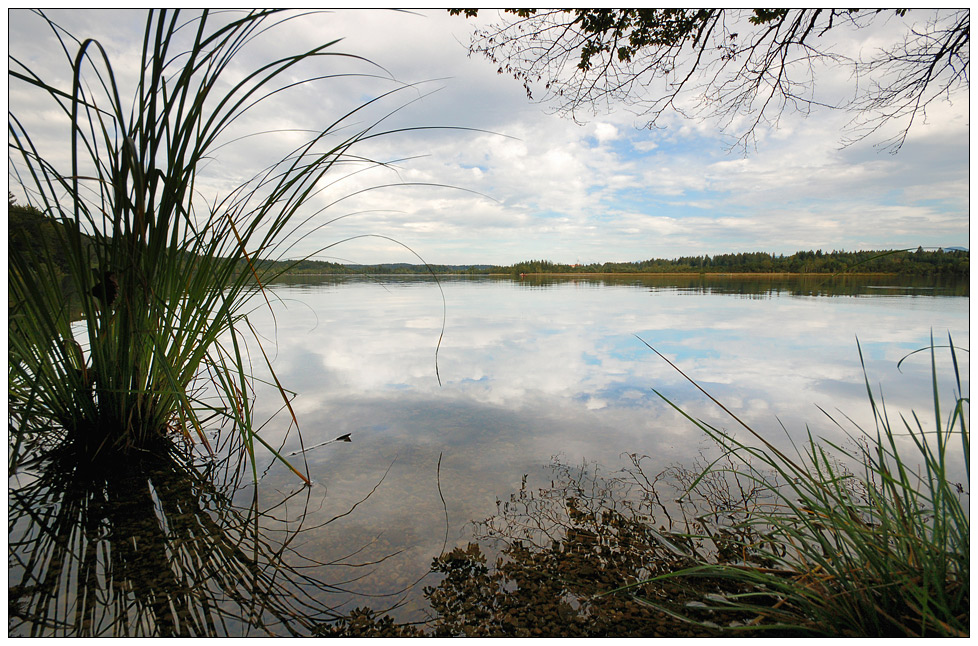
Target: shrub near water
pixel 161 278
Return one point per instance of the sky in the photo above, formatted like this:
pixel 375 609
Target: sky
pixel 487 176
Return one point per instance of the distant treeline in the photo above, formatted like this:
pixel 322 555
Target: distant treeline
pixel 41 238
pixel 922 262
pixel 919 263
pixel 325 267
pixel 36 235
pixel 27 227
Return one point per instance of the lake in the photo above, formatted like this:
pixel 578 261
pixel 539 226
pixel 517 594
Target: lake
pixel 542 371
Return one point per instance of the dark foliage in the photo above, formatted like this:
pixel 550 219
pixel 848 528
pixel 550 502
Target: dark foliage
pixel 919 263
pixel 922 262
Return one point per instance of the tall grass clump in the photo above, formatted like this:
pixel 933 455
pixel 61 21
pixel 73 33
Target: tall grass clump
pixel 159 273
pixel 866 541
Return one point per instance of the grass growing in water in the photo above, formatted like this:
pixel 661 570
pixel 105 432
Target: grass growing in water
pixel 119 526
pixel 161 278
pixel 882 550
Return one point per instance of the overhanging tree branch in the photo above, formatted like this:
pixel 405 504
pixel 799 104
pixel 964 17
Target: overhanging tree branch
pixel 728 64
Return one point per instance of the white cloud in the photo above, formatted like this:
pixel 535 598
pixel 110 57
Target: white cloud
pixel 552 188
pixel 605 132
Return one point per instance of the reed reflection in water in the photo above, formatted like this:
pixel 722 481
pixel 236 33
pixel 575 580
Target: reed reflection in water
pixel 156 545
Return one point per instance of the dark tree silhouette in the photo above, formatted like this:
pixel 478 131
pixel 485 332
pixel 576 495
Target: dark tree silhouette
pixel 743 67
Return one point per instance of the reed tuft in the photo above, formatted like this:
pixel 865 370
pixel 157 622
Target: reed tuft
pixel 858 542
pixel 139 333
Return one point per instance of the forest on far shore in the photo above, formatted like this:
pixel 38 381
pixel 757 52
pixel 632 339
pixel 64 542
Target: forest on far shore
pixel 29 227
pixel 919 262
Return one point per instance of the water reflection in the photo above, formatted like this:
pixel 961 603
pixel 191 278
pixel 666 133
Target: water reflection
pixel 153 545
pixel 737 284
pixel 771 285
pixel 543 563
pixel 567 347
pixel 542 367
pixel 167 546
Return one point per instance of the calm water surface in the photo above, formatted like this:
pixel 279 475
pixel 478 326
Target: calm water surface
pixel 536 369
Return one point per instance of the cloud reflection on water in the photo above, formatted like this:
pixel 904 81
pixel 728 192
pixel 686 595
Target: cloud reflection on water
pixel 528 373
pixel 572 346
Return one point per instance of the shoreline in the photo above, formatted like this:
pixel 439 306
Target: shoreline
pixel 707 273
pixel 606 273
